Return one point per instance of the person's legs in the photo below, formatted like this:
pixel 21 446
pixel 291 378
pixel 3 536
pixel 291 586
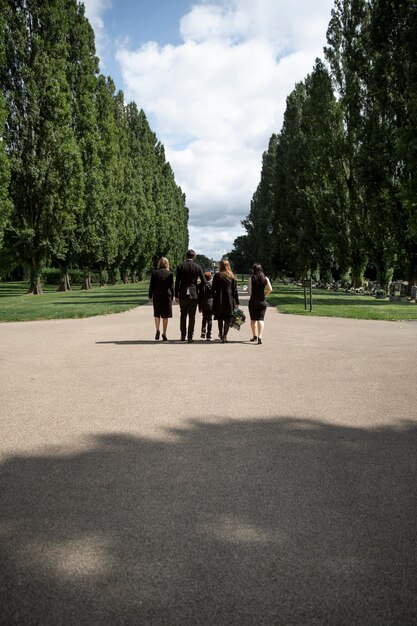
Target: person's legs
pixel 183 318
pixel 157 323
pixel 164 328
pixel 225 331
pixel 192 308
pixel 209 317
pixel 260 325
pixel 253 327
pixel 203 324
pixel 220 325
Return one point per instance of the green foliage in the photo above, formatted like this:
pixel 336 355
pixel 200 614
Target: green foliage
pixel 89 182
pixel 260 220
pixel 242 257
pixel 338 183
pixel 15 305
pixel 44 156
pixel 204 261
pixel 5 204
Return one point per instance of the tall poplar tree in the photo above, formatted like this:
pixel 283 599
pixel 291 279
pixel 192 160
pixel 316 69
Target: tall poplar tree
pixel 127 208
pixel 44 157
pixel 323 180
pixel 82 73
pixel 103 249
pixel 403 74
pixel 346 55
pixel 5 204
pixel 377 154
pixel 260 220
pixel 141 142
pixel 293 237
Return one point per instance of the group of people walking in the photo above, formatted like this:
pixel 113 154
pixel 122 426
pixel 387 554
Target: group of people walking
pixel 215 296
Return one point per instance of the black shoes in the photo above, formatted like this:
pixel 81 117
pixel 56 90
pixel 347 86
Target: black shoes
pixel 157 335
pixel 190 340
pixel 203 335
pixel 182 337
pixel 259 341
pixel 254 338
pixel 164 337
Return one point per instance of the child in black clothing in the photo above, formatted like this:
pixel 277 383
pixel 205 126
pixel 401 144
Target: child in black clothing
pixel 205 305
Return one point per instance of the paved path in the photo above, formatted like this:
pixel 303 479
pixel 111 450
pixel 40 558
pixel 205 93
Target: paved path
pixel 151 483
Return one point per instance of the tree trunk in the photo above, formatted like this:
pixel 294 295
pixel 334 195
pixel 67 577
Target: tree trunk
pixel 35 282
pixel 86 282
pixel 383 275
pixel 358 271
pixel 64 281
pixel 124 273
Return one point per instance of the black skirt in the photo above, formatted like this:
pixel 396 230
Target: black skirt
pixel 257 310
pixel 162 306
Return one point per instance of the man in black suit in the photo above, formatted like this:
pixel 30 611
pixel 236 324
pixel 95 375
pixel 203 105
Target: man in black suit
pixel 186 279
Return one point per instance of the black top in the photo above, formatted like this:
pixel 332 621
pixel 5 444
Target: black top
pixel 186 279
pixel 162 283
pixel 225 297
pixel 258 289
pixel 205 296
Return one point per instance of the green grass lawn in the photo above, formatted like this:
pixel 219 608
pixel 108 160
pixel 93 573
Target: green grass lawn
pixel 290 299
pixel 17 306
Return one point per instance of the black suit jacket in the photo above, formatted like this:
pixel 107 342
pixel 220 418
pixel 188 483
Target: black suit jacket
pixel 161 283
pixel 186 279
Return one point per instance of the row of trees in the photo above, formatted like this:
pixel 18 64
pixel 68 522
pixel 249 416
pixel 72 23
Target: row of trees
pixel 83 179
pixel 338 188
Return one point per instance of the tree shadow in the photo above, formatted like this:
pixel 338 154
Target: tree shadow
pixel 282 521
pixel 12 289
pixel 342 300
pixel 73 300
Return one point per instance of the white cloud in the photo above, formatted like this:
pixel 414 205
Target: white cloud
pixel 216 98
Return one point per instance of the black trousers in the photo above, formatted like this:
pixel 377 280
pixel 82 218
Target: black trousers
pixel 207 321
pixel 188 307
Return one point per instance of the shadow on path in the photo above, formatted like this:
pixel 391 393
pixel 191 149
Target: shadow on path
pixel 130 342
pixel 241 522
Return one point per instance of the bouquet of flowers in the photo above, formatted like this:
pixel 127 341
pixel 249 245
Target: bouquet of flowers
pixel 238 319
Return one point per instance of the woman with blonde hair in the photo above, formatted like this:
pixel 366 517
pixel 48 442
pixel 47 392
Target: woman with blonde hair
pixel 161 292
pixel 225 298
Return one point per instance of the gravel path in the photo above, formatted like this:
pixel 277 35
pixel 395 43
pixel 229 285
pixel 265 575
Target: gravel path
pixel 144 482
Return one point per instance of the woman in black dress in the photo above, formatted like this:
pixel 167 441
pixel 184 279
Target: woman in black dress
pixel 259 286
pixel 161 291
pixel 225 298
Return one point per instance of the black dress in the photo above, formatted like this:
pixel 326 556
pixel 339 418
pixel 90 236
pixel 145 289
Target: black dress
pixel 225 297
pixel 161 289
pixel 257 303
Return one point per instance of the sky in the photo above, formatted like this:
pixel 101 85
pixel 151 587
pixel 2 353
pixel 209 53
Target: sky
pixel 212 78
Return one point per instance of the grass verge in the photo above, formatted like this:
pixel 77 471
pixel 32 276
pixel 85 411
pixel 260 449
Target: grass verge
pixel 290 299
pixel 17 306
